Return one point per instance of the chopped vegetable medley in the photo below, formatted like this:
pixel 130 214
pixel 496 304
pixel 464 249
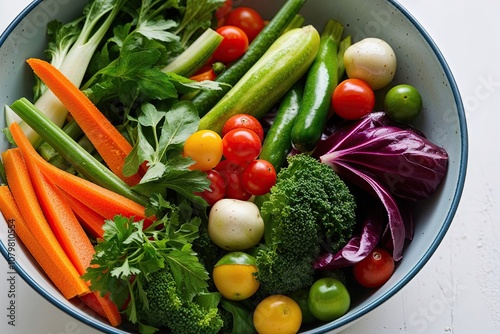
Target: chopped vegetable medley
pixel 190 167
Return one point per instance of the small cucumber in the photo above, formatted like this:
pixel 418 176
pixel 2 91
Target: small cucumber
pixel 206 99
pixel 288 59
pixel 321 80
pixel 277 143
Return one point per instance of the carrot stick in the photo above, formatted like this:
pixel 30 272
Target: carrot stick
pixel 91 221
pixel 70 234
pixel 103 306
pixel 58 274
pixel 90 299
pixel 62 220
pixel 92 195
pixel 37 236
pixel 108 141
pixel 110 309
pixel 58 209
pixel 105 211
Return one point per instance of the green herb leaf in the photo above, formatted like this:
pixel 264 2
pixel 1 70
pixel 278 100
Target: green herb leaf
pixel 124 270
pixel 150 116
pixel 160 139
pixel 198 15
pixel 157 29
pixel 189 274
pixel 181 122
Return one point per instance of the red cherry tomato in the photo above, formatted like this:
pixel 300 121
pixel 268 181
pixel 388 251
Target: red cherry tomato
pixel 243 121
pixel 233 46
pixel 248 19
pixel 241 145
pixel 217 189
pixel 353 99
pixel 232 174
pixel 258 177
pixel 374 270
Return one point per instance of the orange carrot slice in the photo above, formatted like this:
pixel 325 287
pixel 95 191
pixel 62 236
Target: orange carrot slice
pixel 110 309
pixel 92 195
pixel 90 299
pixel 103 306
pixel 39 238
pixel 108 141
pixel 107 212
pixel 91 221
pixel 62 220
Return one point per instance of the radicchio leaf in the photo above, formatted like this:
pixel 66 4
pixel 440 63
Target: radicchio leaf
pixel 395 222
pixel 388 161
pixel 410 165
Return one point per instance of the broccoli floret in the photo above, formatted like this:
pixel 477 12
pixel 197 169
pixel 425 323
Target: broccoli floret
pixel 308 209
pixel 167 309
pixel 282 271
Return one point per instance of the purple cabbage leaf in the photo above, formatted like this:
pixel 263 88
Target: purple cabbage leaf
pixel 391 162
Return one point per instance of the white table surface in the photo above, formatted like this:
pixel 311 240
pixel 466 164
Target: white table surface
pixel 458 291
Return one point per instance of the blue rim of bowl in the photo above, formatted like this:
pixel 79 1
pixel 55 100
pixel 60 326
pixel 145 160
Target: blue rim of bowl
pixel 350 318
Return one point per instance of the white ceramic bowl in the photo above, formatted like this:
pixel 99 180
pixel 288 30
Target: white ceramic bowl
pixel 420 63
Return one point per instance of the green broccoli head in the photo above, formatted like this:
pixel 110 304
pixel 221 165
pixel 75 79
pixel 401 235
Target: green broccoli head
pixel 283 272
pixel 318 192
pixel 167 309
pixel 309 207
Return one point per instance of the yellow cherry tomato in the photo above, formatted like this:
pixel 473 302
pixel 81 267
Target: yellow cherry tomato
pixel 277 314
pixel 205 148
pixel 234 276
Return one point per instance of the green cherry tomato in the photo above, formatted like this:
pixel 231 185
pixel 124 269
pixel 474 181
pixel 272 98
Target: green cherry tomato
pixel 328 299
pixel 403 103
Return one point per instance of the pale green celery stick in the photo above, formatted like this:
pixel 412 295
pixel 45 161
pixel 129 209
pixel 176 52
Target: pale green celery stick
pixel 75 63
pixel 196 55
pixel 343 45
pixel 77 156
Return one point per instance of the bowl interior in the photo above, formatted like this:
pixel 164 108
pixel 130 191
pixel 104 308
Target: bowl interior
pixel 420 63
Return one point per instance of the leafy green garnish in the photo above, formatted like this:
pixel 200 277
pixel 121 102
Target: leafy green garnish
pixel 160 138
pixel 197 15
pixel 129 253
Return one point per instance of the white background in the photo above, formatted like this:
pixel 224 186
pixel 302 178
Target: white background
pixel 458 291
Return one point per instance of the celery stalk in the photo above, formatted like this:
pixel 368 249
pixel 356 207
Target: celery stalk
pixel 343 45
pixel 196 55
pixel 78 157
pixel 72 129
pixel 75 62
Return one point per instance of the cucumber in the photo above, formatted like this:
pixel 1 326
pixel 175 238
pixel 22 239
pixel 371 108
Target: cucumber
pixel 206 99
pixel 277 143
pixel 321 81
pixel 288 59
